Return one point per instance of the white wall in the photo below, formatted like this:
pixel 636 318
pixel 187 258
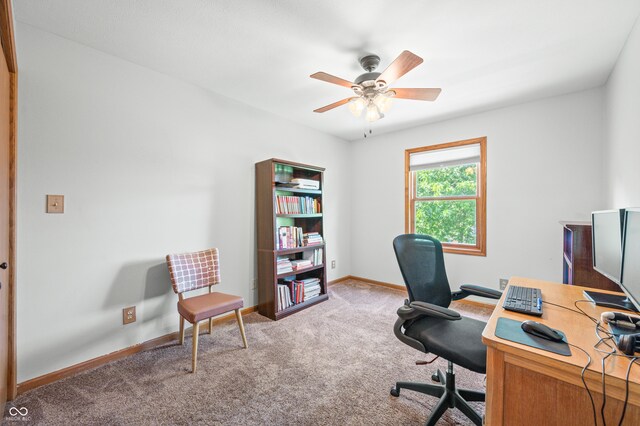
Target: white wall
pixel 543 166
pixel 622 124
pixel 148 165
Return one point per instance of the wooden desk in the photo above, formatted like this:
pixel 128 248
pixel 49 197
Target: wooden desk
pixel 528 386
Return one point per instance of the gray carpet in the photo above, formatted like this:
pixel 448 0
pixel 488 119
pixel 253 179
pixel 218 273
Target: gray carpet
pixel 332 364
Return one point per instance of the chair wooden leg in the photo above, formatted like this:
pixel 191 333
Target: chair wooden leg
pixel 181 330
pixel 241 325
pixel 194 355
pixel 210 325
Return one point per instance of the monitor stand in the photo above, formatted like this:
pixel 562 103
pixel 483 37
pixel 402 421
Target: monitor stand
pixel 615 301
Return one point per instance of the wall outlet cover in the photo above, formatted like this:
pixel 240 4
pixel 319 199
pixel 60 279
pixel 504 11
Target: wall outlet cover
pixel 129 315
pixel 503 283
pixel 333 264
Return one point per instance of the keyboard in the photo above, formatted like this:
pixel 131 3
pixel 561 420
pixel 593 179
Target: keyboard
pixel 525 300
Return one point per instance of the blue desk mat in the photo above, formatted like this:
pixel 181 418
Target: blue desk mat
pixel 509 329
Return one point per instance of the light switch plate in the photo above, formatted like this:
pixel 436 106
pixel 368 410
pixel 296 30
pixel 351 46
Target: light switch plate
pixel 55 203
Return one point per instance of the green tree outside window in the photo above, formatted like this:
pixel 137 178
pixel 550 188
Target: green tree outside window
pixel 451 221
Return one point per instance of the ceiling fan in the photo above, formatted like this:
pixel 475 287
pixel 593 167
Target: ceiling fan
pixel 372 88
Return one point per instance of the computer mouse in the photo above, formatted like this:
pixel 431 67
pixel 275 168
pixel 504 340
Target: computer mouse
pixel 541 330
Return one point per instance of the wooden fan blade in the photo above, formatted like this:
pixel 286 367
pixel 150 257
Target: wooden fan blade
pixel 333 105
pixel 404 63
pixel 332 79
pixel 417 94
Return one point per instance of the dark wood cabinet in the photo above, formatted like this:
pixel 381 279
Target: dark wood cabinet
pixel 273 182
pixel 577 260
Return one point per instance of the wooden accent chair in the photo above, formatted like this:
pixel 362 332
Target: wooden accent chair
pixel 191 271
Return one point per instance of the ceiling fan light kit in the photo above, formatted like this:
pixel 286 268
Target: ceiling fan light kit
pixel 371 88
pixel 375 107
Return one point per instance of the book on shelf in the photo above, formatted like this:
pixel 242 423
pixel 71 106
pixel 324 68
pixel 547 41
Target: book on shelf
pixel 299 264
pixel 299 183
pixel 289 204
pixel 297 291
pixel 302 290
pixel 284 297
pixel 283 265
pixel 314 256
pixel 289 237
pixel 311 288
pixel 306 183
pixel 311 238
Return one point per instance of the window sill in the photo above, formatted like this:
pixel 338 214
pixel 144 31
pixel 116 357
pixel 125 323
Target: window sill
pixel 460 249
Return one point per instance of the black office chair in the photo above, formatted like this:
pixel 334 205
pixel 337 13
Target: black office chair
pixel 426 324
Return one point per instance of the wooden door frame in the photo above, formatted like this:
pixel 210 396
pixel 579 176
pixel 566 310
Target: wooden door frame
pixel 9 50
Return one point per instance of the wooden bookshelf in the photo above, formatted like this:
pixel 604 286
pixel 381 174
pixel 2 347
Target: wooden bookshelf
pixel 300 216
pixel 577 260
pixel 272 177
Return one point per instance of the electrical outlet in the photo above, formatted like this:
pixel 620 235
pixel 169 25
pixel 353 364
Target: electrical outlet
pixel 129 315
pixel 255 284
pixel 333 264
pixel 503 283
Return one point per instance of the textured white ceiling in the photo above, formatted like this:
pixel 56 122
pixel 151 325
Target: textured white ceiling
pixel 483 54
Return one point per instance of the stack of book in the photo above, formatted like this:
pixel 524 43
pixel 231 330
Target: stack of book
pixel 288 204
pixel 315 256
pixel 311 288
pixel 289 237
pixel 306 183
pixel 301 290
pixel 301 264
pixel 311 238
pixel 284 297
pixel 284 265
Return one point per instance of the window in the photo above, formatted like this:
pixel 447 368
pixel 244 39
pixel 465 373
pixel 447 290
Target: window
pixel 445 194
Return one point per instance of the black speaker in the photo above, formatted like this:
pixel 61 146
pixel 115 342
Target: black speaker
pixel 628 343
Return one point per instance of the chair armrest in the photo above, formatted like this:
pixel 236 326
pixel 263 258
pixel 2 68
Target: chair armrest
pixel 435 310
pixel 475 290
pixel 414 310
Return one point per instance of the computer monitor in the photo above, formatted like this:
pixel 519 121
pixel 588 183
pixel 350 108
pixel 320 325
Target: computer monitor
pixel 607 235
pixel 607 226
pixel 630 274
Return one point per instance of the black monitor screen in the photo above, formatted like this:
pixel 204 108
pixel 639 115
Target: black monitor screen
pixel 607 243
pixel 630 280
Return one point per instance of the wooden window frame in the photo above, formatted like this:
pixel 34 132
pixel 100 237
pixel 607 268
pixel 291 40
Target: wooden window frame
pixel 480 248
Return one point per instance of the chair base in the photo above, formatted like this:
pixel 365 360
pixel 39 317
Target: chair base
pixel 450 396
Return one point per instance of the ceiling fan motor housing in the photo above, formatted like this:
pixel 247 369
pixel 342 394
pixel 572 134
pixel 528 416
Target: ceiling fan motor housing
pixel 370 62
pixel 367 79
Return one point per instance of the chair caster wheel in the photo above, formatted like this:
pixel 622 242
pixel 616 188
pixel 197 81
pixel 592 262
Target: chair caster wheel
pixel 395 392
pixel 435 377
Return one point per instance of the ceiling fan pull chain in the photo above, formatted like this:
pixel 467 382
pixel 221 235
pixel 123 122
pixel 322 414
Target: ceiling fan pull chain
pixel 364 133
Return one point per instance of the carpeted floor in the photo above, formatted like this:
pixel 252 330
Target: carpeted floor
pixel 332 364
